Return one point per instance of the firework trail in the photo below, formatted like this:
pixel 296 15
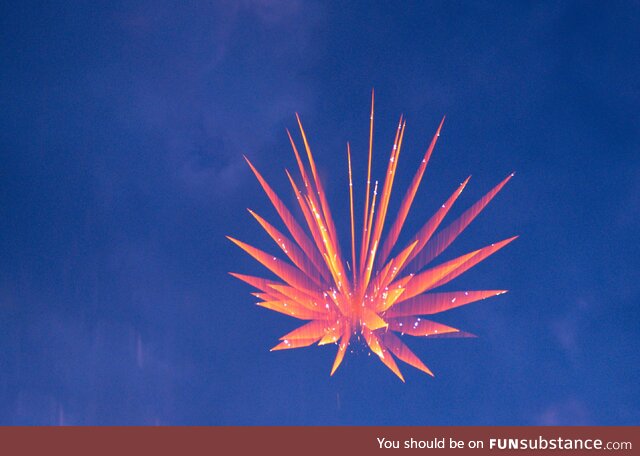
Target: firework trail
pixel 372 295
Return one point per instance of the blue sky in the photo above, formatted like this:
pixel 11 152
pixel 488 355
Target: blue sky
pixel 123 129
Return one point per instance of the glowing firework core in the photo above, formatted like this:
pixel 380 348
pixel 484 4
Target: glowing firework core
pixel 371 295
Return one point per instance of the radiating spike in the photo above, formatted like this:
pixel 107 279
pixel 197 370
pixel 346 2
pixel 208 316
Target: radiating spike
pixel 287 218
pixel 303 172
pixel 265 296
pixel 368 267
pixel 416 326
pixel 444 273
pixel 295 343
pixel 388 361
pixel 403 353
pixel 310 299
pixel 407 201
pixel 426 279
pixel 372 320
pixel 386 192
pixel 312 191
pixel 256 282
pixel 353 228
pixel 445 237
pixel 392 297
pixel 380 280
pixel 424 235
pixel 433 303
pixel 312 330
pixel 328 338
pixel 342 348
pixel 372 341
pixel 330 255
pixel 293 252
pixel 285 271
pixel 324 205
pixel 313 228
pixel 333 332
pixel 365 222
pixel 399 261
pixel 469 263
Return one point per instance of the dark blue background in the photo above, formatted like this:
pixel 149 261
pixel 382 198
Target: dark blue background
pixel 122 129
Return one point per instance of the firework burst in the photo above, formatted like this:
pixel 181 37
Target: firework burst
pixel 374 295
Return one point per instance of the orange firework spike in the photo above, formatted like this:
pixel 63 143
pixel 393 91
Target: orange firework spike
pixel 353 227
pixel 303 172
pixel 311 192
pixel 295 343
pixel 313 227
pixel 375 302
pixel 386 192
pixel 326 247
pixel 313 303
pixel 285 271
pixel 392 296
pixel 342 348
pixel 379 281
pixel 372 341
pixel 265 296
pixel 444 238
pixel 257 282
pixel 391 293
pixel 292 251
pixel 475 259
pixel 399 262
pixel 372 320
pixel 394 232
pixel 365 217
pixel 324 205
pixel 331 257
pixel 331 337
pixel 433 303
pixel 369 265
pixel 424 235
pixel 416 326
pixel 403 353
pixel 287 218
pixel 312 330
pixel 426 280
pixel 388 361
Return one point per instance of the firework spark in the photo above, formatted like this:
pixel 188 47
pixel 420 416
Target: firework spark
pixel 371 296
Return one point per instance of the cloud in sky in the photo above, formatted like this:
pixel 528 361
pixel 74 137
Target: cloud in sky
pixel 242 70
pixel 564 413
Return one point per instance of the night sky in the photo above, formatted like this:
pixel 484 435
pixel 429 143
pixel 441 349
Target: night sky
pixel 122 130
